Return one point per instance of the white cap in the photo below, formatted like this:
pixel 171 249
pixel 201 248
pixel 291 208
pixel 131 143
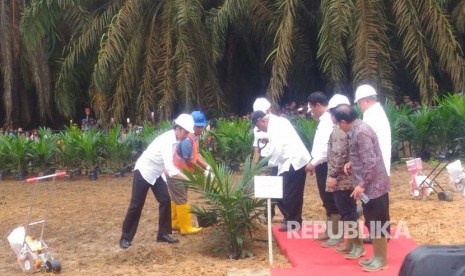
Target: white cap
pixel 261 104
pixel 336 100
pixel 186 122
pixel 364 91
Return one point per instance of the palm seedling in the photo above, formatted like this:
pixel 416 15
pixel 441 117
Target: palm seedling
pixel 306 130
pixel 5 159
pixel 451 121
pixel 420 128
pixel 234 140
pixel 44 151
pixel 231 202
pixel 89 151
pixel 67 145
pixel 118 149
pixel 20 151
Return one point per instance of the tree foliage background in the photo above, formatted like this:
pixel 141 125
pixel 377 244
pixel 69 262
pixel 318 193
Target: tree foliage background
pixel 128 58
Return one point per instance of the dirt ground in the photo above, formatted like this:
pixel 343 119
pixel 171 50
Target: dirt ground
pixel 85 217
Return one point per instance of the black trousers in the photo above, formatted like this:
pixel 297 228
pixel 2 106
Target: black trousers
pixel 321 172
pixel 346 205
pixel 376 213
pixel 140 187
pixel 293 194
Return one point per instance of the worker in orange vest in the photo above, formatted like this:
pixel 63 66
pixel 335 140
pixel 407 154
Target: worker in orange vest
pixel 186 156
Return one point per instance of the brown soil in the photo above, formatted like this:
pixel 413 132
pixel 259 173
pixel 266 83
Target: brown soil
pixel 85 217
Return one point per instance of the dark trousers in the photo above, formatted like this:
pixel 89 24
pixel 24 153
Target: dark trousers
pixel 293 194
pixel 321 172
pixel 377 210
pixel 140 187
pixel 346 205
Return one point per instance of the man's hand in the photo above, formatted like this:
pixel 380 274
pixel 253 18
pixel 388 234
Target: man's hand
pixel 348 168
pixel 358 191
pixel 331 183
pixel 310 168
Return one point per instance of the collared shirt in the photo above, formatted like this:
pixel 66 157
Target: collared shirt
pixel 338 156
pixel 367 161
pixel 286 147
pixel 158 157
pixel 320 142
pixel 376 118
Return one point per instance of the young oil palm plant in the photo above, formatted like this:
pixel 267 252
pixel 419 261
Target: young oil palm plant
pixel 118 149
pixel 67 145
pixel 44 151
pixel 231 200
pixel 5 159
pixel 420 128
pixel 451 119
pixel 398 132
pixel 234 140
pixel 20 152
pixel 89 151
pixel 306 129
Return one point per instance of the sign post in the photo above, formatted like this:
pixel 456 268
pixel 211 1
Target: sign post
pixel 269 187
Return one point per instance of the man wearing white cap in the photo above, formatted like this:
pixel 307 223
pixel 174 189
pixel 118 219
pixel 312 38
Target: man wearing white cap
pixel 150 172
pixel 375 117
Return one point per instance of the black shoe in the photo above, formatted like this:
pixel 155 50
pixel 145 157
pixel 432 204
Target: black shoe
pixel 124 244
pixel 290 227
pixel 166 238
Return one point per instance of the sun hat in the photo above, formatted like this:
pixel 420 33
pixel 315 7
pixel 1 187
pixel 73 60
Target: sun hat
pixel 261 104
pixel 186 122
pixel 336 100
pixel 199 118
pixel 364 91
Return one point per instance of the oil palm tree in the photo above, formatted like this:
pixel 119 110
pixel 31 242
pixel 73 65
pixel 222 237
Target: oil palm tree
pixel 358 43
pixel 143 55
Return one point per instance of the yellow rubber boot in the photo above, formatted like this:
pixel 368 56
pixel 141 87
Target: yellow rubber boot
pixel 174 217
pixel 184 220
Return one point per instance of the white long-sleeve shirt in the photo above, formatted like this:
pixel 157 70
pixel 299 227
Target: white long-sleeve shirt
pixel 320 141
pixel 158 157
pixel 376 118
pixel 286 147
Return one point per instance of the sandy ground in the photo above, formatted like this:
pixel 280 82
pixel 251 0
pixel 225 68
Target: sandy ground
pixel 85 217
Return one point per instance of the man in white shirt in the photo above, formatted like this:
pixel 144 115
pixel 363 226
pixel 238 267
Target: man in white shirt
pixel 375 117
pixel 288 153
pixel 262 104
pixel 150 172
pixel 318 104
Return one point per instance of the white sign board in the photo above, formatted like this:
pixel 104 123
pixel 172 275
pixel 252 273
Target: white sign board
pixel 268 186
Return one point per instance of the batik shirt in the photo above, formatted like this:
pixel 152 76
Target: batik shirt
pixel 368 168
pixel 338 156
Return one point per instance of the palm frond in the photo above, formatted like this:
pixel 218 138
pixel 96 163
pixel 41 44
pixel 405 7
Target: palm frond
pixel 458 16
pixel 414 47
pixel 370 48
pixel 443 41
pixel 283 49
pixel 337 16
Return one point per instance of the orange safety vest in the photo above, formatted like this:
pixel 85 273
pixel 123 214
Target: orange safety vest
pixel 180 162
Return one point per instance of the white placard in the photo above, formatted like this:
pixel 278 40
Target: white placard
pixel 268 186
